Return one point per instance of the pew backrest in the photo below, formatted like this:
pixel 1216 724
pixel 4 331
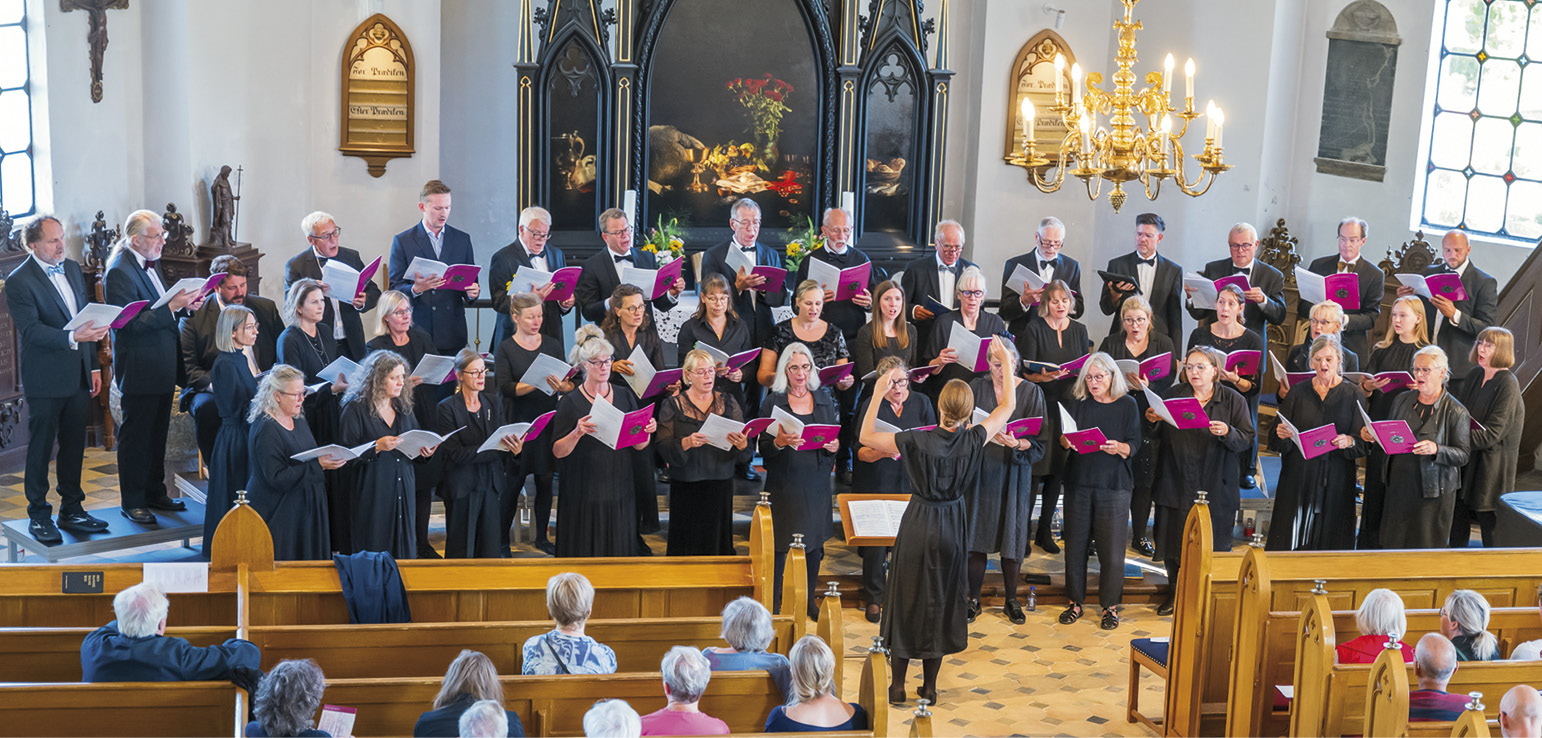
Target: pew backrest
pixel 135 709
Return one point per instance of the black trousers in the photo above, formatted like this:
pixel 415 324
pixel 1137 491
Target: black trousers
pixel 63 418
pixel 1100 514
pixel 1462 519
pixel 846 408
pixel 1144 464
pixel 875 569
pixel 142 448
pixel 508 506
pixel 206 422
pixel 1247 463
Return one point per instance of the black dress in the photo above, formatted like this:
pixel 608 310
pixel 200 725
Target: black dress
pixel 323 413
pixel 644 487
pixel 290 495
pixel 1040 342
pixel 701 485
pixel 1396 357
pixel 384 514
pixel 1194 459
pixel 597 513
pixel 234 386
pixel 1314 504
pixel 473 481
pixel 988 324
pixel 1248 341
pixel 1000 505
pixel 924 613
pixel 425 398
pixel 1495 449
pixel 1145 456
pixel 885 476
pixel 511 363
pixel 735 339
pixel 799 483
pixel 866 356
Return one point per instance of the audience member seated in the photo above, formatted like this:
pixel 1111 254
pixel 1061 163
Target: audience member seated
pixel 1520 713
pixel 612 719
pixel 135 647
pixel 471 679
pixel 1434 663
pixel 1464 619
pixel 1380 616
pixel 484 719
pixel 686 674
pixel 1530 650
pixel 814 708
pixel 566 650
pixel 287 701
pixel 747 628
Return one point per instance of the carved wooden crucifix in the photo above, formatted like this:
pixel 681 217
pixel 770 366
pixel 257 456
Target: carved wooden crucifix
pixel 97 36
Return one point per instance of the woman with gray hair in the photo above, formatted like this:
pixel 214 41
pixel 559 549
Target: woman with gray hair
pixel 612 719
pixel 1423 482
pixel 686 674
pixel 970 290
pixel 1327 319
pixel 1314 503
pixel 290 495
pixel 485 719
pixel 233 382
pixel 1379 617
pixel 747 628
pixel 307 345
pixel 378 410
pixel 287 700
pixel 814 707
pixel 798 478
pixel 597 512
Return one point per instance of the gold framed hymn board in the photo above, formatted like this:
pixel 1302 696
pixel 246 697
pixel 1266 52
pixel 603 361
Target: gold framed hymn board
pixel 378 94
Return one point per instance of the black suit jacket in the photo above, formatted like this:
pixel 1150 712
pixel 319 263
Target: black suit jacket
pixel 1254 315
pixel 1166 296
pixel 919 282
pixel 507 261
pixel 1477 313
pixel 592 294
pixel 762 326
pixel 844 314
pixel 48 364
pixel 304 266
pixel 440 313
pixel 1012 311
pixel 144 352
pixel 199 350
pixel 1357 323
pixel 445 721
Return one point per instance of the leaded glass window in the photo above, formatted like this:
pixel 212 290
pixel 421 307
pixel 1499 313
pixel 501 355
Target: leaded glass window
pixel 17 170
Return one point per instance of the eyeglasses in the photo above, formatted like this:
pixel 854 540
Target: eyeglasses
pixel 950 247
pixel 537 235
pixel 799 367
pixel 1136 319
pixel 705 371
pixel 296 395
pixel 622 232
pixel 599 362
pixel 1051 244
pixel 1196 367
pixel 160 236
pixel 901 382
pixel 1318 322
pixel 971 293
pixel 1350 239
pixel 1422 371
pixel 1241 245
pixel 331 235
pixel 405 312
pixel 473 372
pixel 847 231
pixel 1096 377
pixel 743 222
pixel 632 308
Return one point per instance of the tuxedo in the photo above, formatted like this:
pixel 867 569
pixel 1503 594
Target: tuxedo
pixel 749 304
pixel 1359 322
pixel 144 364
pixel 1166 296
pixel 198 354
pixel 843 314
pixel 55 380
pixel 1256 316
pixel 441 313
pixel 1473 315
pixel 307 265
pixel 921 281
pixel 508 260
pixel 1012 311
pixel 599 278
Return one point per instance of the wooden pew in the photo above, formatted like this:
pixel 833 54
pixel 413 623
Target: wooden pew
pixel 1334 699
pixel 1274 584
pixel 121 709
pixel 53 654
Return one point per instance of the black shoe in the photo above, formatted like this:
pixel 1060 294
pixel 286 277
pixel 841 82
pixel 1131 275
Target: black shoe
pixel 874 613
pixel 1071 614
pixel 750 475
pixel 426 551
pixel 643 549
pixel 663 476
pixel 1048 544
pixel 974 609
pixel 139 515
pixel 168 504
pixel 44 532
pixel 1110 619
pixel 930 695
pixel 1166 608
pixel 1144 547
pixel 546 547
pixel 82 522
pixel 1248 482
pixel 1014 612
pixel 897 694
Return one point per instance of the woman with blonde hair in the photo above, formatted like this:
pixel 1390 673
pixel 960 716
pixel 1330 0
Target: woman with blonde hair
pixel 291 496
pixel 1407 332
pixel 701 486
pixel 1464 619
pixel 399 335
pixel 523 403
pixel 1314 503
pixel 1492 394
pixel 814 707
pixel 470 679
pixel 822 339
pixel 1056 339
pixel 1097 487
pixel 307 345
pixel 376 410
pixel 597 512
pixel 474 480
pixel 233 382
pixel 925 615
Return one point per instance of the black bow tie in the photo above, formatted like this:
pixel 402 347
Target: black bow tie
pixel 322 260
pixel 750 249
pixel 1147 262
pixel 1046 264
pixel 1242 270
pixel 627 257
pixel 151 264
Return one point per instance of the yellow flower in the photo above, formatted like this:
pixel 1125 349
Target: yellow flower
pixel 676 243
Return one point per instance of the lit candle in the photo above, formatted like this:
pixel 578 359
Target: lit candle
pixel 1167 76
pixel 1167 131
pixel 1076 84
pixel 1027 123
pixel 1059 76
pixel 1209 120
pixel 1220 120
pixel 1188 77
pixel 1086 126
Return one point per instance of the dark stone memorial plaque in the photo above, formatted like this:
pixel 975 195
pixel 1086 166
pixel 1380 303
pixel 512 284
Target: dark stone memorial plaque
pixel 1357 92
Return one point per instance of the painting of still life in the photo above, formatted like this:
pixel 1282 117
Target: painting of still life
pixel 735 104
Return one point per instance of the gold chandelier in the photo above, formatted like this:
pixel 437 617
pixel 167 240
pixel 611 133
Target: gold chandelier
pixel 1122 151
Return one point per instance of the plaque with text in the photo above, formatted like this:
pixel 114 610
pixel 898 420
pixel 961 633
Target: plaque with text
pixel 379 81
pixel 1033 78
pixel 1357 92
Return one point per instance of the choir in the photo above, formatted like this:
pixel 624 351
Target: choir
pixel 1115 430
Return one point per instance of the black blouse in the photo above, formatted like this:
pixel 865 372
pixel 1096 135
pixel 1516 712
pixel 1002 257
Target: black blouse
pixel 1248 341
pixel 1120 421
pixel 678 417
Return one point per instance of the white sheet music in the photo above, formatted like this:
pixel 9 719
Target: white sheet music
pixel 716 428
pixel 334 451
pixel 341 365
pixel 966 345
pixel 737 259
pixel 1204 297
pixel 192 284
pixel 1067 423
pixel 788 423
pixel 1024 279
pixel 94 312
pixel 876 518
pixel 1155 400
pixel 412 443
pixel 1313 288
pixel 336 720
pixel 828 277
pixel 494 442
pixel 434 369
pixel 178 577
pixel 607 421
pixel 341 278
pixel 542 367
pixel 643 371
pixel 422 267
pixel 526 279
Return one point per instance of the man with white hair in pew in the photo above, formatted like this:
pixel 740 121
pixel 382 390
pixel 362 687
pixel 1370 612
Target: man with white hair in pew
pixel 612 719
pixel 135 647
pixel 1434 663
pixel 1520 713
pixel 484 719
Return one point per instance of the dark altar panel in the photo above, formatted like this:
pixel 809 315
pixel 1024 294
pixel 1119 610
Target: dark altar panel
pixel 572 122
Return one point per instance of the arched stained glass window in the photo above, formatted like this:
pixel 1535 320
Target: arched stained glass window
pixel 1483 162
pixel 17 169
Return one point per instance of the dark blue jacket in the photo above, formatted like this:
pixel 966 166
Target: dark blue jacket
pixel 48 364
pixel 440 313
pixel 109 656
pixel 445 721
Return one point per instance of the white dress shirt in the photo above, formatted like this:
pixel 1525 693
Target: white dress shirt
pixel 435 240
pixel 337 307
pixel 1145 275
pixel 537 261
pixel 945 280
pixel 155 277
pixel 62 284
pixel 1456 317
pixel 1046 269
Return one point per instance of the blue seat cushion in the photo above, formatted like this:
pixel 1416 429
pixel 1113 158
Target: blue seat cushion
pixel 1154 650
